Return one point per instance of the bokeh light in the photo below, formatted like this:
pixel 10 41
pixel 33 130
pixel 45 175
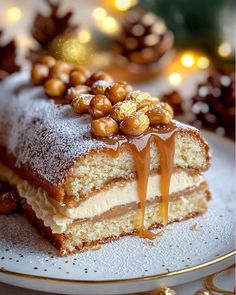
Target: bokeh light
pixel 203 62
pixel 123 5
pixel 99 13
pixel 224 49
pixel 187 60
pixel 84 36
pixel 14 14
pixel 175 79
pixel 109 25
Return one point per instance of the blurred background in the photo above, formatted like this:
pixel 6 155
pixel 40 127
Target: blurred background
pixel 180 50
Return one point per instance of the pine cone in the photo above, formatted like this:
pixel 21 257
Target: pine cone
pixel 214 103
pixel 143 39
pixel 8 63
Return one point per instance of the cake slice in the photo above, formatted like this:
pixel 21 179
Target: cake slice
pixel 79 190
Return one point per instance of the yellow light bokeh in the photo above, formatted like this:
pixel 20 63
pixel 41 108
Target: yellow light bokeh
pixel 175 79
pixel 203 62
pixel 99 13
pixel 224 49
pixel 187 60
pixel 84 36
pixel 109 25
pixel 14 14
pixel 123 5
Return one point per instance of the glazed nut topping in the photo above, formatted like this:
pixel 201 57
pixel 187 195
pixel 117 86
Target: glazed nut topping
pixel 98 76
pixel 48 61
pixel 80 104
pixel 77 78
pixel 123 109
pixel 39 74
pixel 135 124
pixel 74 92
pixel 104 127
pixel 99 86
pixel 141 98
pixel 60 67
pixel 100 106
pixel 162 113
pixel 54 87
pixel 116 92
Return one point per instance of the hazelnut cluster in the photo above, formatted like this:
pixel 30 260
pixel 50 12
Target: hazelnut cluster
pixel 58 76
pixel 114 107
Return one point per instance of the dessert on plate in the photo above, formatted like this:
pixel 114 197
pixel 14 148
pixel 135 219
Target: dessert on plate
pixel 108 163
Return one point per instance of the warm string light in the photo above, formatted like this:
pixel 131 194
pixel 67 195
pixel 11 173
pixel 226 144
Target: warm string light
pixel 123 5
pixel 224 49
pixel 187 60
pixel 13 14
pixel 175 79
pixel 203 62
pixel 84 36
pixel 105 22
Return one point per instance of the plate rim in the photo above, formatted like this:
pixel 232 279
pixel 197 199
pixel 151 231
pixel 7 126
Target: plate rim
pixel 126 280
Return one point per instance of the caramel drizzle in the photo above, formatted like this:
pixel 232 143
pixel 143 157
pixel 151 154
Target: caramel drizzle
pixel 164 137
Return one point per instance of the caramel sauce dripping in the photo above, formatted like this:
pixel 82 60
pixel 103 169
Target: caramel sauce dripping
pixel 164 137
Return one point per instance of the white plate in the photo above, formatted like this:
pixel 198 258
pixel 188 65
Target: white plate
pixel 130 264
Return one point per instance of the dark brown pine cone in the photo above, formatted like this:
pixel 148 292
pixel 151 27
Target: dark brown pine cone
pixel 9 202
pixel 8 63
pixel 175 101
pixel 143 39
pixel 214 103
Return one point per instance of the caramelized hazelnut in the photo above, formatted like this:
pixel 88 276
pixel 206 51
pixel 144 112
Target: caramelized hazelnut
pixel 77 78
pixel 48 61
pixel 82 69
pixel 135 124
pixel 81 103
pixel 147 104
pixel 39 74
pixel 64 77
pixel 73 92
pixel 54 87
pixel 99 86
pixel 60 67
pixel 139 97
pixel 116 92
pixel 123 109
pixel 104 127
pixel 162 113
pixel 98 76
pixel 100 106
pixel 126 85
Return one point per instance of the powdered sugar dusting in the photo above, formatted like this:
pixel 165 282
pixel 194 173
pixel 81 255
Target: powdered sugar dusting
pixel 46 137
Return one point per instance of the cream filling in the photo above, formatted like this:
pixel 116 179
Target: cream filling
pixel 58 217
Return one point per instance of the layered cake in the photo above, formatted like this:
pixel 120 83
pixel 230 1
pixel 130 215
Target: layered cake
pixel 88 173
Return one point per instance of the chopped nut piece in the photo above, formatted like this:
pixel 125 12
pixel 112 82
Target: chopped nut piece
pixel 123 109
pixel 104 127
pixel 54 87
pixel 194 227
pixel 80 104
pixel 73 92
pixel 100 106
pixel 135 124
pixel 98 76
pixel 116 92
pixel 99 86
pixel 162 113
